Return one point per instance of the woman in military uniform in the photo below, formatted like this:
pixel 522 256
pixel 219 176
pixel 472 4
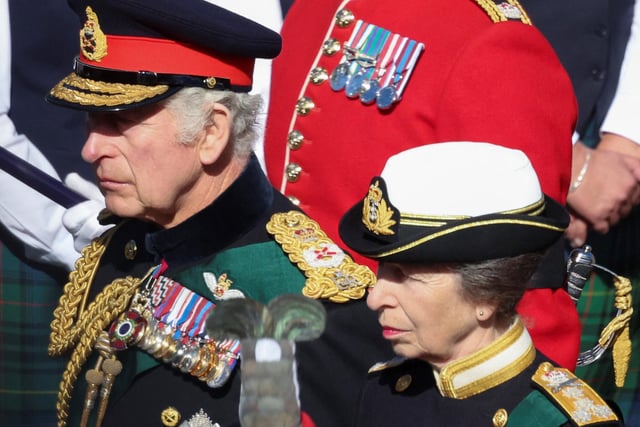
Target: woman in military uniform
pixel 459 229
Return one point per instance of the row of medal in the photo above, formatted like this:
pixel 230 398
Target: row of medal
pixel 172 330
pixel 376 65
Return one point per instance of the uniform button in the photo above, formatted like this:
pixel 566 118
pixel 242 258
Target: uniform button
pixel 403 383
pixel 598 74
pixel 130 250
pixel 344 18
pixel 330 47
pixel 294 200
pixel 500 418
pixel 293 172
pixel 170 417
pixel 304 106
pixel 295 139
pixel 602 31
pixel 319 75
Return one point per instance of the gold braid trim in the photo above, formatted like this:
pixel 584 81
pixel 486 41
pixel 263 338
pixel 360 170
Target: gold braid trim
pixel 108 305
pixel 64 333
pixel 74 327
pixel 496 15
pixel 79 90
pixel 618 329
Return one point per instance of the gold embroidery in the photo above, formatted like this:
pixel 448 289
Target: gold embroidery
pixel 93 42
pixel 579 401
pixel 497 15
pixel 330 273
pixel 376 215
pixel 82 91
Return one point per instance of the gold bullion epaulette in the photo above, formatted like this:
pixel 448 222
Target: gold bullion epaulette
pixel 502 11
pixel 572 395
pixel 331 273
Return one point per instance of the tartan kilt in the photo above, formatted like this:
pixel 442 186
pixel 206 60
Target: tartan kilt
pixel 619 251
pixel 29 378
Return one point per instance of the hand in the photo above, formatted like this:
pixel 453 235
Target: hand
pixel 609 189
pixel 82 219
pixel 577 231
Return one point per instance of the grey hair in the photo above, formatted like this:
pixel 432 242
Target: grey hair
pixel 500 282
pixel 193 108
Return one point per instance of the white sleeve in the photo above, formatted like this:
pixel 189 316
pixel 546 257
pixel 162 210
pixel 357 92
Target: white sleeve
pixel 34 219
pixel 31 217
pixel 622 117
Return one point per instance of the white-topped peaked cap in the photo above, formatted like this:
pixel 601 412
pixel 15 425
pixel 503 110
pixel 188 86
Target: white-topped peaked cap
pixel 454 201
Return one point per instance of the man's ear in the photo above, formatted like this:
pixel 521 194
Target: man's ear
pixel 217 135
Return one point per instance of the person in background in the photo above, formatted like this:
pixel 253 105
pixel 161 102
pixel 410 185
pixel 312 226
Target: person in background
pixel 170 136
pixel 599 44
pixel 451 272
pixel 34 49
pixel 456 70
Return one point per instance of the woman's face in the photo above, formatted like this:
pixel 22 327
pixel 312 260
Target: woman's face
pixel 424 315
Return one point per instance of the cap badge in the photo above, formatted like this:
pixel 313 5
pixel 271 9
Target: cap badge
pixel 93 42
pixel 377 216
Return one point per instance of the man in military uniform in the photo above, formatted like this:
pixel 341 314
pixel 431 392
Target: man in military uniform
pixel 452 70
pixel 196 221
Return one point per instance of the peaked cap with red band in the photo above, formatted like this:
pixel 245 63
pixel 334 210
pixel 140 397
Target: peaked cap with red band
pixel 135 52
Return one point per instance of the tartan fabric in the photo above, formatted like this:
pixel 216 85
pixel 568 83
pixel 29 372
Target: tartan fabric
pixel 29 378
pixel 618 251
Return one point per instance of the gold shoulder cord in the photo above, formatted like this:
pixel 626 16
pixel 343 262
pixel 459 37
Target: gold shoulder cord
pixel 77 328
pixel 497 15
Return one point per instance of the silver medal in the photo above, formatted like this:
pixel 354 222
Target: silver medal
pixel 386 97
pixel 369 91
pixel 339 77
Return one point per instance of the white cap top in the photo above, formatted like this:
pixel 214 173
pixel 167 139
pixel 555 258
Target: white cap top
pixel 460 179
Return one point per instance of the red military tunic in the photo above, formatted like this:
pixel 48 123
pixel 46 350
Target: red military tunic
pixel 476 80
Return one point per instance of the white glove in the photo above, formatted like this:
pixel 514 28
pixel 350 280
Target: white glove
pixel 82 219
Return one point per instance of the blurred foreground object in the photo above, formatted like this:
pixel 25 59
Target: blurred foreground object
pixel 269 394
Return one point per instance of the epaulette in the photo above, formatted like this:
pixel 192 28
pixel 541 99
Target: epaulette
pixel 573 396
pixel 502 11
pixel 331 273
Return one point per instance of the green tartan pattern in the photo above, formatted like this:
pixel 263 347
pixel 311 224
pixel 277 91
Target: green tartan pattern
pixel 618 251
pixel 29 378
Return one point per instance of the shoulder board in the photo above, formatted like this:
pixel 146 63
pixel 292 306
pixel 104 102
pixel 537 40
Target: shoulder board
pixel 381 366
pixel 502 11
pixel 572 395
pixel 331 274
